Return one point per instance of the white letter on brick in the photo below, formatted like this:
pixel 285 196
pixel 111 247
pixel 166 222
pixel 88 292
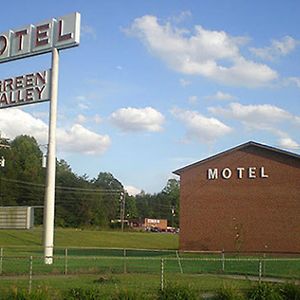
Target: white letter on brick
pixel 226 173
pixel 212 174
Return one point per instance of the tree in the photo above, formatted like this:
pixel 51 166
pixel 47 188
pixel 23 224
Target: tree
pixel 163 205
pixel 107 181
pixel 171 193
pixel 131 211
pixel 22 176
pixel 109 197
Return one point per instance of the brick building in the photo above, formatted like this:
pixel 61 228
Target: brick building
pixel 244 199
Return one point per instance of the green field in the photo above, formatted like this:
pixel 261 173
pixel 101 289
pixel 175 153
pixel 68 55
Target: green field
pixel 91 238
pixel 131 260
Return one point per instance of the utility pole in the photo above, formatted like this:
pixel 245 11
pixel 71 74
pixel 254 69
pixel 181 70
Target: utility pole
pixel 4 143
pixel 122 209
pixel 173 215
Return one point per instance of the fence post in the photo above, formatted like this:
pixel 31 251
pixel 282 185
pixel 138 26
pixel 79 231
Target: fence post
pixel 260 270
pixel 66 261
pixel 264 265
pixel 162 274
pixel 1 261
pixel 223 261
pixel 179 262
pixel 125 265
pixel 30 275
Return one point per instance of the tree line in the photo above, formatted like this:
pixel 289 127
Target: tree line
pixel 79 201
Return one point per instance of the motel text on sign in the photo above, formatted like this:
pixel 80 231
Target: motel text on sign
pixel 63 32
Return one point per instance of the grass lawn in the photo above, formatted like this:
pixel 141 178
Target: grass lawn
pixel 138 270
pixel 91 238
pixel 146 284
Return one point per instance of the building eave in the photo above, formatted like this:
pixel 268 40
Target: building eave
pixel 239 147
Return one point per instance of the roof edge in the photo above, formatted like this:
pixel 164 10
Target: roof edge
pixel 241 146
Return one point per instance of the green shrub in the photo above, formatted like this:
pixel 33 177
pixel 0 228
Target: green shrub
pixel 97 294
pixel 84 294
pixel 19 294
pixel 177 292
pixel 228 293
pixel 106 280
pixel 265 291
pixel 127 295
pixel 290 291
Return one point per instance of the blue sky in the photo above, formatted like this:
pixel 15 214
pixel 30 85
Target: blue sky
pixel 157 85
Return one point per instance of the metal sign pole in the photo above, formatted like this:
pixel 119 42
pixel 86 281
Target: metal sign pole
pixel 51 164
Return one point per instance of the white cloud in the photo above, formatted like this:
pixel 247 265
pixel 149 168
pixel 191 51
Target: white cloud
pixel 182 16
pixel 82 140
pixel 193 100
pixel 288 143
pixel 200 127
pixel 14 122
pixel 88 31
pixel 184 82
pixel 44 115
pixel 220 96
pixel 294 80
pixel 138 119
pixel 97 119
pixel 131 190
pixel 264 117
pixel 212 54
pixel 277 48
pixel 81 119
pixel 83 106
pixel 81 98
pixel 255 116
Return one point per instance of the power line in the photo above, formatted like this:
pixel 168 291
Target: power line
pixel 66 188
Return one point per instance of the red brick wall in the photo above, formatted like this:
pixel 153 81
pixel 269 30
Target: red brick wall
pixel 261 214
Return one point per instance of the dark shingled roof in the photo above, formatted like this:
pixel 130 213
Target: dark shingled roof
pixel 242 146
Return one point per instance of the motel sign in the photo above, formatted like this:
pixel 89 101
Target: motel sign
pixel 25 89
pixel 60 33
pixel 48 36
pixel 240 172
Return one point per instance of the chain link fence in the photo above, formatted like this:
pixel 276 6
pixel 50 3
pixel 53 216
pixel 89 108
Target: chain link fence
pixel 29 262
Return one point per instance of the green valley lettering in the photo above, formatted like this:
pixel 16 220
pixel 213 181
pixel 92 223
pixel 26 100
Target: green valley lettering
pixel 25 89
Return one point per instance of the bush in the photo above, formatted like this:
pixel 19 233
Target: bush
pixel 127 295
pixel 290 291
pixel 84 294
pixel 228 293
pixel 176 292
pixel 264 291
pixel 19 294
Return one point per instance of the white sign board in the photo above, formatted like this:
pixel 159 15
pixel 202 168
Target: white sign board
pixel 16 217
pixel 62 32
pixel 25 89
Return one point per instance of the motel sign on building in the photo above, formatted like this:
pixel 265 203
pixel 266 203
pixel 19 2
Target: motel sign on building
pixel 47 36
pixel 243 199
pixel 239 172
